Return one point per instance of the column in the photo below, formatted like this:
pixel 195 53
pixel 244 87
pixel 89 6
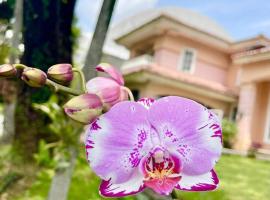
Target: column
pixel 246 106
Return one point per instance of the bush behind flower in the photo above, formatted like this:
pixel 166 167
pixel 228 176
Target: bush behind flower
pixel 229 131
pixel 55 154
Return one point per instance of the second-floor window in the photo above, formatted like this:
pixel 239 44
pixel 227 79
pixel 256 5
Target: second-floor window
pixel 187 61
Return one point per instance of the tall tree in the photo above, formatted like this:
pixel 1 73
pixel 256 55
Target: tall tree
pixel 95 50
pixel 9 86
pixel 47 40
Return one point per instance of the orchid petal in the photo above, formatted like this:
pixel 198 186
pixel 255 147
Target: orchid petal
pixel 107 89
pixel 130 187
pixel 146 102
pixel 116 143
pixel 112 71
pixel 204 182
pixel 188 129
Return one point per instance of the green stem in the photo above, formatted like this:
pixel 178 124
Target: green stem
pixel 83 83
pixel 20 66
pixel 58 87
pixel 131 97
pixel 174 195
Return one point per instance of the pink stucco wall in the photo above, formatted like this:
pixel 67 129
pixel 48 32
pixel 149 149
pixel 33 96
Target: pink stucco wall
pixel 167 58
pixel 210 64
pixel 210 72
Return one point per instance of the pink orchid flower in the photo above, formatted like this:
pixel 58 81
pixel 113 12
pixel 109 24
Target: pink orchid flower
pixel 171 143
pixel 110 89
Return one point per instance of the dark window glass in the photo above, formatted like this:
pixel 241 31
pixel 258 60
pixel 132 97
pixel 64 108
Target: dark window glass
pixel 187 60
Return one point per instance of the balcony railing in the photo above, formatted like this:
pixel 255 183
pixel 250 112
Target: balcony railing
pixel 138 61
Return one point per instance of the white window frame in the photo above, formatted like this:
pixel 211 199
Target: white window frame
pixel 193 62
pixel 267 124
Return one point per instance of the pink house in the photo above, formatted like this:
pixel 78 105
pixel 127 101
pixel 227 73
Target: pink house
pixel 174 51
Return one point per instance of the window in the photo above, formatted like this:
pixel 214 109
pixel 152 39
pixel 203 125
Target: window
pixel 187 61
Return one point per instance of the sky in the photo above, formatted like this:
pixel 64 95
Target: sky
pixel 240 18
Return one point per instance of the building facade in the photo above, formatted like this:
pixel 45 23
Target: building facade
pixel 174 51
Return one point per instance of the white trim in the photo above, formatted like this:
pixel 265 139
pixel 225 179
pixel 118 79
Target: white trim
pixel 267 126
pixel 193 62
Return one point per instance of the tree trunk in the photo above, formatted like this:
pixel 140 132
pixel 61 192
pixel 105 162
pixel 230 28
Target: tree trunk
pixel 94 53
pixel 9 88
pixel 47 40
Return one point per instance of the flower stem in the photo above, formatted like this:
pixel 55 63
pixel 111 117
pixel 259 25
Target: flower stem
pixel 83 83
pixel 174 195
pixel 58 87
pixel 131 97
pixel 20 66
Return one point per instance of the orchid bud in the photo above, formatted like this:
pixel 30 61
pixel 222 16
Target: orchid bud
pixel 61 73
pixel 7 70
pixel 111 71
pixel 34 77
pixel 84 108
pixel 109 91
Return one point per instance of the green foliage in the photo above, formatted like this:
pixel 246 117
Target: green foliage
pixel 43 157
pixel 8 179
pixel 6 9
pixel 56 153
pixel 75 33
pixel 229 131
pixel 84 184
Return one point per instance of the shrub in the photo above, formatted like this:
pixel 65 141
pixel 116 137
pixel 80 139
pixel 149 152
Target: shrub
pixel 229 131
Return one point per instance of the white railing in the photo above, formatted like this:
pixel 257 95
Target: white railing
pixel 138 61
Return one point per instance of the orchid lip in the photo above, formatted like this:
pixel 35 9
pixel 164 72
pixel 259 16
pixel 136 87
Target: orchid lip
pixel 161 171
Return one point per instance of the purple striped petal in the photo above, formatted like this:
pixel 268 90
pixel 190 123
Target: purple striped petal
pixel 117 141
pixel 132 186
pixel 146 102
pixel 204 182
pixel 112 71
pixel 188 129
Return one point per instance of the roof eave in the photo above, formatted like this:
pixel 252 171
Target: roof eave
pixel 143 75
pixel 162 24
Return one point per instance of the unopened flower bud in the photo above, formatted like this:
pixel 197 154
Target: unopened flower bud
pixel 84 108
pixel 34 77
pixel 61 73
pixel 7 70
pixel 109 91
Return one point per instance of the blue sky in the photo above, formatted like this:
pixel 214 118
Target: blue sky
pixel 240 18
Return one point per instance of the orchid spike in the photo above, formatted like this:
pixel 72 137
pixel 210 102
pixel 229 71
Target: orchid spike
pixel 111 90
pixel 171 143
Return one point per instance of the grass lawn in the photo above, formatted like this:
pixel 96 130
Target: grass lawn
pixel 241 179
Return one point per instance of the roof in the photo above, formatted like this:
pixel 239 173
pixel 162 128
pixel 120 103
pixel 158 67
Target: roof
pixel 184 16
pixel 216 88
